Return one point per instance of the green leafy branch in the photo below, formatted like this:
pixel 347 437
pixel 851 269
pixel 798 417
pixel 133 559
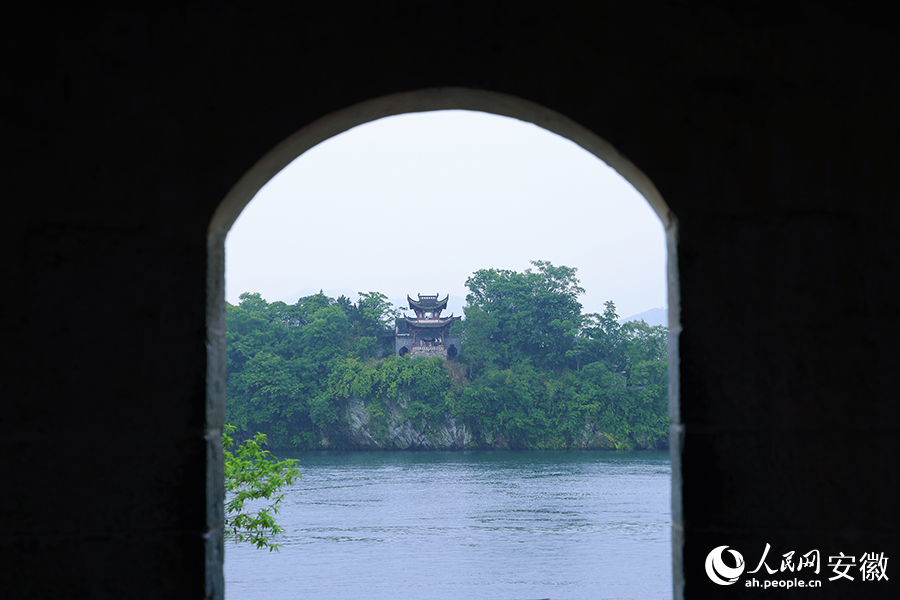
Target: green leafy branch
pixel 252 473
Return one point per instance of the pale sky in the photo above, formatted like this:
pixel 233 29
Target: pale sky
pixel 416 203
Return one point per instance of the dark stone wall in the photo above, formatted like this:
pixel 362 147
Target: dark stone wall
pixel 773 137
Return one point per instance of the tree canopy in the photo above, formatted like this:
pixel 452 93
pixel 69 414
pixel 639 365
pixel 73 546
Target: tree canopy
pixel 516 317
pixel 533 372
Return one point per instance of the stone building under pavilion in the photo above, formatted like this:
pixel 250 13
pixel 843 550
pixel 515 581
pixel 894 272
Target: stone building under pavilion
pixel 426 334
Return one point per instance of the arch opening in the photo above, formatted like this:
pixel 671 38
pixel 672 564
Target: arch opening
pixel 423 101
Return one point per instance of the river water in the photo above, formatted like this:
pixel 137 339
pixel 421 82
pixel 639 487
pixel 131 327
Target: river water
pixel 466 525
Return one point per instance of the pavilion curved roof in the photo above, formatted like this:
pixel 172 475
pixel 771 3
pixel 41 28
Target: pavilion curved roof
pixel 428 302
pixel 431 323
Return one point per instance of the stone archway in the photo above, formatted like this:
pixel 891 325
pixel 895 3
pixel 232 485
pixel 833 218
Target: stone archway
pixel 411 102
pixel 773 137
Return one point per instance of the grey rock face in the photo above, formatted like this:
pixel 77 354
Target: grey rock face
pixel 396 432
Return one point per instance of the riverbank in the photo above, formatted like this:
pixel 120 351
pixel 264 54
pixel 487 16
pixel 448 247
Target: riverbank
pixel 387 426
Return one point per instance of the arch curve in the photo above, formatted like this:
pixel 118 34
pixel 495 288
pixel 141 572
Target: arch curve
pixel 427 100
pixel 333 124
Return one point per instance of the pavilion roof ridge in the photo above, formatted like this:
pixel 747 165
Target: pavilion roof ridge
pixel 427 302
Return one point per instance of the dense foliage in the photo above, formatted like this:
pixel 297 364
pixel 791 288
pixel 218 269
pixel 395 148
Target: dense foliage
pixel 534 372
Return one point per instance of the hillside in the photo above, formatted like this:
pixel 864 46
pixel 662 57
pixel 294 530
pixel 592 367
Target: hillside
pixel 534 372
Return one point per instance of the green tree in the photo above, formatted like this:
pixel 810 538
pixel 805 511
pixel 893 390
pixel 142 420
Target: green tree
pixel 523 317
pixel 534 371
pixel 603 339
pixel 325 338
pixel 372 314
pixel 645 342
pixel 252 474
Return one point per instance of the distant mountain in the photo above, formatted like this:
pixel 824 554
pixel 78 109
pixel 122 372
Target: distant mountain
pixel 654 316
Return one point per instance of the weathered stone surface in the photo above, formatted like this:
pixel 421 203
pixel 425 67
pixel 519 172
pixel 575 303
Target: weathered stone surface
pixel 593 438
pixel 396 432
pixel 130 134
pixel 428 352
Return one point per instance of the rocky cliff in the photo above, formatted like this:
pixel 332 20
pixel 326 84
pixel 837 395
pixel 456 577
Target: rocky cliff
pixel 370 428
pixel 391 429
